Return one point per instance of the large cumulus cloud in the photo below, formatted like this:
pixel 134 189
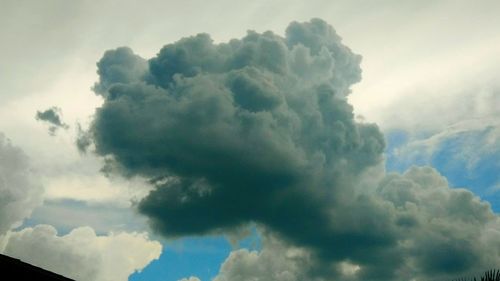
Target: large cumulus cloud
pixel 81 254
pixel 236 125
pixel 259 130
pixel 442 233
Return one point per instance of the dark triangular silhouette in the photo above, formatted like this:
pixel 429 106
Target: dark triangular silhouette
pixel 15 269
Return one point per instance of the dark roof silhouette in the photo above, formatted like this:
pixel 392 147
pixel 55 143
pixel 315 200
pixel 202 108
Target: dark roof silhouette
pixel 15 269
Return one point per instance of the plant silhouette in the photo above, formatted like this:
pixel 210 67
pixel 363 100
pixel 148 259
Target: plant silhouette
pixel 491 275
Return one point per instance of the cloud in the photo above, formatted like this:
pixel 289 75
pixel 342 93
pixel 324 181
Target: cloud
pixel 103 217
pixel 455 106
pixel 259 130
pixel 465 149
pixel 442 233
pixel 276 261
pixel 53 117
pixel 192 278
pixel 81 254
pixel 466 144
pixel 254 125
pixel 20 193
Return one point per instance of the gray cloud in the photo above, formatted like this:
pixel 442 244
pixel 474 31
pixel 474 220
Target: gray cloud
pixel 259 130
pixel 53 117
pixel 83 140
pixel 442 233
pixel 20 193
pixel 254 125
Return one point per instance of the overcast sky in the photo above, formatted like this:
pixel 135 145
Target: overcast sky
pixel 428 80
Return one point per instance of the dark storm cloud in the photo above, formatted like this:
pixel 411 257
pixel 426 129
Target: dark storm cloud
pixel 53 117
pixel 259 130
pixel 119 66
pixel 442 234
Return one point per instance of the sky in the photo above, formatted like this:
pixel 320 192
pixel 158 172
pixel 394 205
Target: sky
pixel 269 140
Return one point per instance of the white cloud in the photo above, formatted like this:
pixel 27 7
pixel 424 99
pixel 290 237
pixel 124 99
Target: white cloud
pixel 276 261
pixel 61 169
pixel 407 60
pixel 103 218
pixel 464 146
pixel 192 278
pixel 82 254
pixel 19 192
pixel 279 261
pixel 445 108
pixel 96 188
pixel 477 138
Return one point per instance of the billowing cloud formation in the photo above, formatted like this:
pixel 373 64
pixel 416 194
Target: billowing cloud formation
pixel 259 130
pixel 53 117
pixel 81 254
pixel 19 192
pixel 441 233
